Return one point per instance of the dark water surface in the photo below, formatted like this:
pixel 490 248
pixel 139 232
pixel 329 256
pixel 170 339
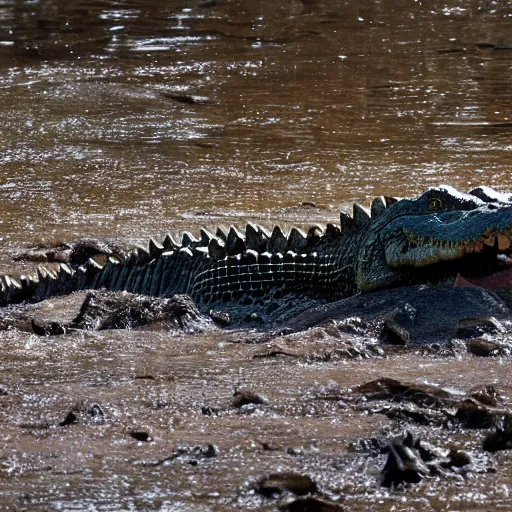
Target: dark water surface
pixel 126 118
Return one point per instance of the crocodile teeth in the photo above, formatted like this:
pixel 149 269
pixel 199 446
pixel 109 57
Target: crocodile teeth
pixel 489 240
pixel 503 258
pixel 503 241
pixel 477 247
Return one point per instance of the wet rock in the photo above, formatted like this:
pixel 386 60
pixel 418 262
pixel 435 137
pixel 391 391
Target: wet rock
pixel 207 3
pixel 47 329
pixel 295 452
pixel 421 394
pixel 404 464
pixel 473 414
pixel 278 484
pixel 275 351
pixel 221 318
pixel 396 328
pixel 311 504
pixel 195 453
pixel 412 413
pixel 34 255
pixel 426 404
pixel 190 99
pixel 141 435
pixel 122 310
pixel 501 439
pixel 96 411
pixel 245 397
pixel 486 395
pixel 473 327
pixel 353 325
pixel 411 315
pixel 209 451
pixel 484 348
pixel 330 328
pixel 393 333
pixel 77 252
pixel 208 410
pixel 84 414
pixel 458 458
pixel 427 451
pixel 373 445
pixel 70 419
pixel 184 454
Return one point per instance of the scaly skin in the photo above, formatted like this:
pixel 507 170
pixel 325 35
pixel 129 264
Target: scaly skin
pixel 403 242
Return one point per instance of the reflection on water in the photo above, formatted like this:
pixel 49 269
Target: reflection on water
pixel 121 118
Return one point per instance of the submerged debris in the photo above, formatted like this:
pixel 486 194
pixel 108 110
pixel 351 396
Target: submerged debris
pixel 123 310
pixel 404 463
pixel 247 396
pixel 501 439
pixel 276 485
pixel 410 460
pixel 425 404
pixel 311 504
pixel 141 435
pixel 70 418
pixel 486 348
pixel 77 252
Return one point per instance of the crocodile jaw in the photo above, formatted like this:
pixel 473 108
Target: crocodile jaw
pixel 407 251
pixel 430 239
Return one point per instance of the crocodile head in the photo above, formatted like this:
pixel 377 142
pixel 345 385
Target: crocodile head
pixel 439 234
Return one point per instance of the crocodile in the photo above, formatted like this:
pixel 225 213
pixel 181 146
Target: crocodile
pixel 433 238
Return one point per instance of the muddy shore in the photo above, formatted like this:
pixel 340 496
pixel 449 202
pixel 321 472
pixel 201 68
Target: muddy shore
pixel 147 420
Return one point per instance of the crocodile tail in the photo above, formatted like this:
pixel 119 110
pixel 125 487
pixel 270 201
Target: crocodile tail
pixel 210 268
pixel 171 272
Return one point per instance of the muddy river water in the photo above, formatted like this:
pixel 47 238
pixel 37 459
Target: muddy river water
pixel 126 119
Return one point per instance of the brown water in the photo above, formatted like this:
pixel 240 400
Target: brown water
pixel 297 100
pixel 125 118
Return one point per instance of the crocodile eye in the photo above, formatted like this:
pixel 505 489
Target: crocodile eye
pixel 435 203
